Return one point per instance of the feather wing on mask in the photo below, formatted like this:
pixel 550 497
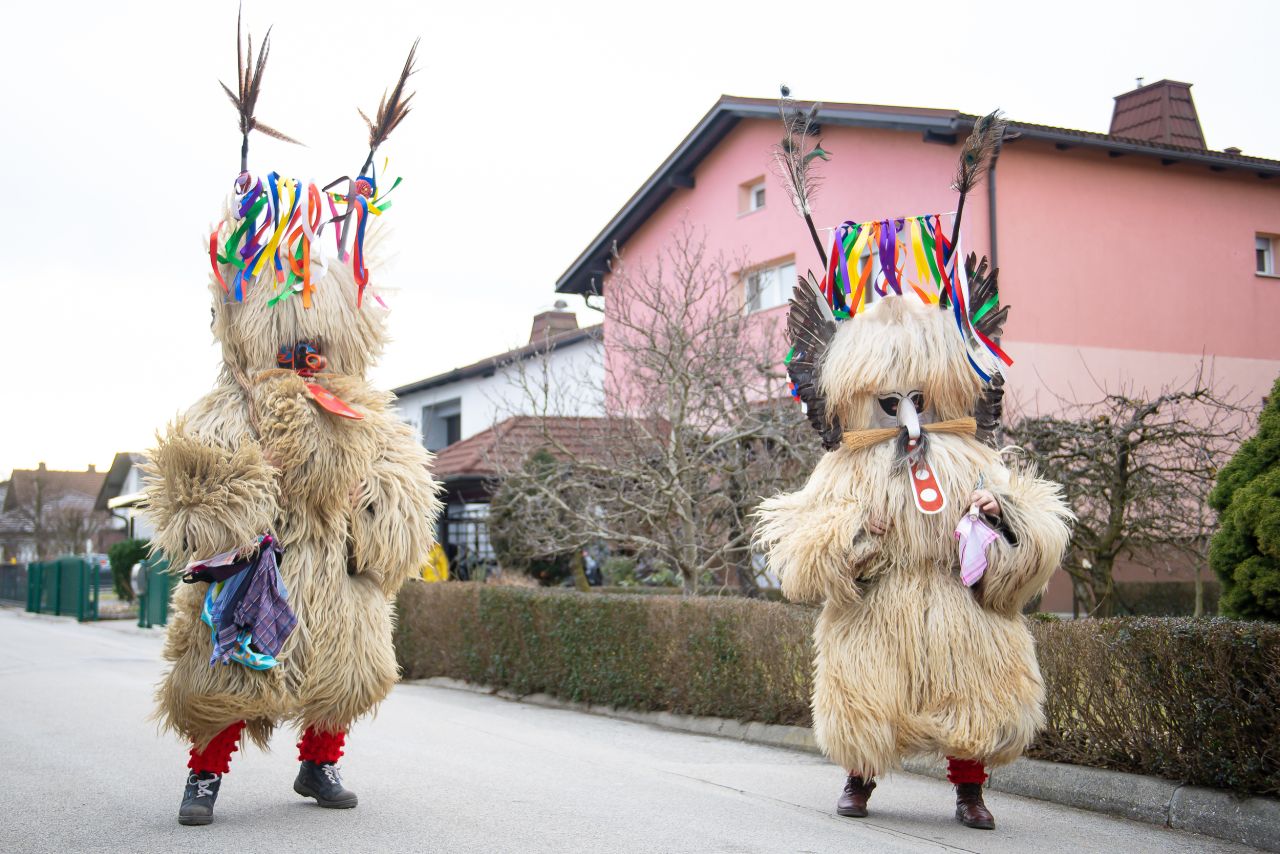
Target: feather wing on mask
pixel 988 317
pixel 810 325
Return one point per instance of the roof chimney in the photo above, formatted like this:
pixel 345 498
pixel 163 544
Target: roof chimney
pixel 42 467
pixel 549 324
pixel 1160 112
pixel 92 468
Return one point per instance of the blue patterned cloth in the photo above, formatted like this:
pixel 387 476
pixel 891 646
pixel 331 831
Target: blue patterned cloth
pixel 249 611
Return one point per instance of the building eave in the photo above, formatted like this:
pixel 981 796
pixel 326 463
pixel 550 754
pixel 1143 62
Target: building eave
pixel 585 276
pixel 490 365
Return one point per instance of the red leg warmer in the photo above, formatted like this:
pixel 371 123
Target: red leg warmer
pixel 965 771
pixel 323 748
pixel 216 758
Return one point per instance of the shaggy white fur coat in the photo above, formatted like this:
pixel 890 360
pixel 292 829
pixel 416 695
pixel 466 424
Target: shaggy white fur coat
pixel 352 504
pixel 909 661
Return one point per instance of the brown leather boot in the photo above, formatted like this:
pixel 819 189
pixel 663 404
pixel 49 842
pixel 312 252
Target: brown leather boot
pixel 853 800
pixel 970 810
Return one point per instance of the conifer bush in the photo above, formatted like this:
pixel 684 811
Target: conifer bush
pixel 1245 551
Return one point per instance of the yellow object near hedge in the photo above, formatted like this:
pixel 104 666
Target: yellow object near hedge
pixel 437 566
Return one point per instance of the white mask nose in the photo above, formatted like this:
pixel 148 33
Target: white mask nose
pixel 908 417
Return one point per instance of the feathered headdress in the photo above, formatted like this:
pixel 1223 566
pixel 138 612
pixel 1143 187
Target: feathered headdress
pixel 279 222
pixel 913 252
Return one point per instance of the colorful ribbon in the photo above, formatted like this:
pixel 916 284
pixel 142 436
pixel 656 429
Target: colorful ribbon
pixel 280 227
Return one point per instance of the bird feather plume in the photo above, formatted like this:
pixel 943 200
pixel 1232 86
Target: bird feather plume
pixel 982 143
pixel 794 156
pixel 984 288
pixel 249 72
pixel 392 109
pixel 810 326
pixel 794 159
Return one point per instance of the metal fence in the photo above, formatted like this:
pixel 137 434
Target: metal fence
pixel 66 587
pixel 13 583
pixel 153 599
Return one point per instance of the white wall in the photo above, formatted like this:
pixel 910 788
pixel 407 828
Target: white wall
pixel 574 373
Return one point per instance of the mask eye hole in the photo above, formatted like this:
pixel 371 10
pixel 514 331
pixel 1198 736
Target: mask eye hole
pixel 917 400
pixel 889 405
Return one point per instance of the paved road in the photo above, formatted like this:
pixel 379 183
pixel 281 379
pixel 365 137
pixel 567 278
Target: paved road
pixel 81 769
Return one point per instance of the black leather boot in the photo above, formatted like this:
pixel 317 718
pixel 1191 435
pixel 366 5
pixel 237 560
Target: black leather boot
pixel 853 800
pixel 198 798
pixel 323 783
pixel 970 810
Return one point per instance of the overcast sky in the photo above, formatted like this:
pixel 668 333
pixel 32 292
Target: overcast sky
pixel 534 123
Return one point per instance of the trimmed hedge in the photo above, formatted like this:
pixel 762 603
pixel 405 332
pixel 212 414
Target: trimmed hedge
pixel 733 658
pixel 1197 701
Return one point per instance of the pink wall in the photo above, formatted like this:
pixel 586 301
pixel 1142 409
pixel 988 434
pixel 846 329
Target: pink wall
pixel 1127 253
pixel 1116 268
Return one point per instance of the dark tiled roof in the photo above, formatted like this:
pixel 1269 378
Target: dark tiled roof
pixel 586 274
pixel 483 455
pixel 57 484
pixel 490 364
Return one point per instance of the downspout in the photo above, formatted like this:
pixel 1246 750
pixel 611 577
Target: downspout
pixel 991 204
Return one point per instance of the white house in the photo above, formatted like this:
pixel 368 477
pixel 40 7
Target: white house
pixel 461 414
pixel 560 359
pixel 122 496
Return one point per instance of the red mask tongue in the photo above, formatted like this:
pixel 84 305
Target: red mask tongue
pixel 924 485
pixel 330 402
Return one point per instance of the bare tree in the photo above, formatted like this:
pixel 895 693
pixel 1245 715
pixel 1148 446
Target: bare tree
pixel 697 427
pixel 60 520
pixel 72 523
pixel 1137 470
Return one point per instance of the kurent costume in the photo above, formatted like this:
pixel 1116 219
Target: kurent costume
pixel 921 645
pixel 292 493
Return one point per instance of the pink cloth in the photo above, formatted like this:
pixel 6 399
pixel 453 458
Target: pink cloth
pixel 974 535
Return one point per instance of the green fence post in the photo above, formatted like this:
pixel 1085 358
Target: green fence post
pixel 97 592
pixel 57 588
pixel 33 587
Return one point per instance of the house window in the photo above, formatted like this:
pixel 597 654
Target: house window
pixel 453 428
pixel 751 196
pixel 1265 255
pixel 442 424
pixel 769 286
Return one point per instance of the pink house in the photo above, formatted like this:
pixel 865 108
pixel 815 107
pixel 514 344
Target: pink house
pixel 1126 256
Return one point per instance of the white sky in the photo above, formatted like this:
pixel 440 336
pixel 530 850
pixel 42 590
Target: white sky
pixel 534 123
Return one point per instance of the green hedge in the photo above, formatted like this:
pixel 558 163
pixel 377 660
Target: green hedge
pixel 733 658
pixel 1197 701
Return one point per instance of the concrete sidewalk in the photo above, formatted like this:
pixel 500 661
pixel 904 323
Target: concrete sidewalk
pixel 443 770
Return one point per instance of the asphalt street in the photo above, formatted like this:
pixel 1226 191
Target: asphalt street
pixel 83 769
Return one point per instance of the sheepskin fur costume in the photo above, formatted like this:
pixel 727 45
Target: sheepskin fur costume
pixel 351 502
pixel 909 660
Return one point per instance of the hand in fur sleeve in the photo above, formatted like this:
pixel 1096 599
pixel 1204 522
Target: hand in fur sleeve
pixel 392 523
pixel 204 498
pixel 818 549
pixel 1037 520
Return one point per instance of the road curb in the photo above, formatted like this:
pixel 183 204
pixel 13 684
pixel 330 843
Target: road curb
pixel 1210 812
